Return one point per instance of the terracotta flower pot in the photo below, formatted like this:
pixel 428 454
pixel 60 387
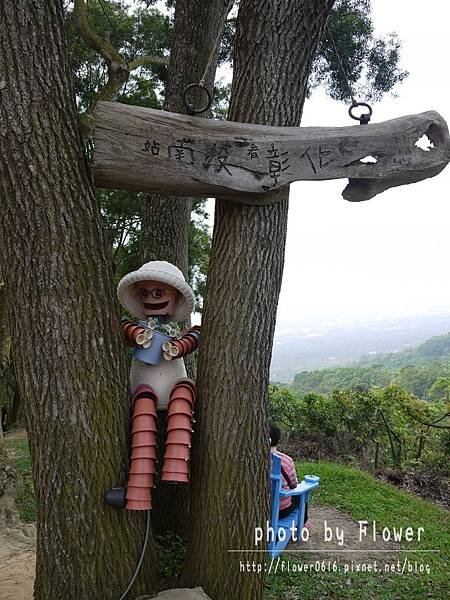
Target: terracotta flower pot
pixel 143 423
pixel 144 452
pixel 186 345
pixel 138 505
pixel 191 340
pixel 175 465
pixel 175 477
pixel 132 331
pixel 142 466
pixel 144 438
pixel 180 406
pixel 179 422
pixel 177 451
pixel 188 386
pixel 138 493
pixel 144 481
pixel 179 436
pixel 148 409
pixel 144 404
pixel 143 388
pixel 183 392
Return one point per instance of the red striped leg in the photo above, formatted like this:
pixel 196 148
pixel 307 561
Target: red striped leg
pixel 143 449
pixel 179 432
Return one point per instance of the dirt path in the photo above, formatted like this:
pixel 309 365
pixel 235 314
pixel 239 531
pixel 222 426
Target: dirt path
pixel 15 434
pixel 351 549
pixel 17 539
pixel 17 560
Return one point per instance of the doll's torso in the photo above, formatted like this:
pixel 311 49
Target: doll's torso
pixel 161 377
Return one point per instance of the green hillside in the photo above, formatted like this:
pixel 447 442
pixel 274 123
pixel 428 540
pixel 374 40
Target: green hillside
pixel 423 371
pixel 435 349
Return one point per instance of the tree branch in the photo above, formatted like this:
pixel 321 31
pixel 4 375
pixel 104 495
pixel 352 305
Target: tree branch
pixel 391 436
pixel 118 70
pixel 447 414
pixel 147 61
pixel 433 423
pixel 93 40
pixel 121 238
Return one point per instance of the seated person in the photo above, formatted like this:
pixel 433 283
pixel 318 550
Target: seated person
pixel 289 477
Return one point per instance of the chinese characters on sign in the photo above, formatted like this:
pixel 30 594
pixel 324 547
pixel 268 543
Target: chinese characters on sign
pixel 323 161
pixel 217 158
pixel 154 147
pixel 278 162
pixel 182 152
pixel 274 162
pixel 253 151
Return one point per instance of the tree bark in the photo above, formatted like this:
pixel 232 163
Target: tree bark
pixel 66 340
pixel 5 343
pixel 5 340
pixel 165 219
pixel 275 45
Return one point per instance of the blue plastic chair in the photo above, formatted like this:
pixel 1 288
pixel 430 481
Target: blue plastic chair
pixel 280 540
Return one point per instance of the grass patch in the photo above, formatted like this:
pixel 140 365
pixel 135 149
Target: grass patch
pixel 364 498
pixel 26 503
pixel 19 452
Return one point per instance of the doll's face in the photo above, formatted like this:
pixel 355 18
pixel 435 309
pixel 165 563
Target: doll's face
pixel 157 298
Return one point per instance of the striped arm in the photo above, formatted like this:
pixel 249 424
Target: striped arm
pixel 185 345
pixel 131 331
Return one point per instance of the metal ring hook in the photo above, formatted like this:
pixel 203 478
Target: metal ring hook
pixel 365 117
pixel 190 107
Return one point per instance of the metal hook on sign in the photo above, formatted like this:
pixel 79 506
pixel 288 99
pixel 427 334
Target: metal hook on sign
pixel 365 117
pixel 190 106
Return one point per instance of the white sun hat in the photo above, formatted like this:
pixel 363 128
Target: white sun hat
pixel 156 270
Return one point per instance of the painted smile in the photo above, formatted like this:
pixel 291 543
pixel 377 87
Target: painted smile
pixel 156 305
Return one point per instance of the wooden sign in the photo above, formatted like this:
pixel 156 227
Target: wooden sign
pixel 142 149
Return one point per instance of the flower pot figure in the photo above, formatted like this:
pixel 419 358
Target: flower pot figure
pixel 158 296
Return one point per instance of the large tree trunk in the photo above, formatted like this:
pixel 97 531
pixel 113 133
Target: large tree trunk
pixel 5 343
pixel 275 45
pixel 165 219
pixel 5 340
pixel 66 342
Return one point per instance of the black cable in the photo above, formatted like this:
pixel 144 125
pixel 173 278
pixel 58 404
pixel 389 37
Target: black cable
pixel 102 6
pixel 341 67
pixel 141 558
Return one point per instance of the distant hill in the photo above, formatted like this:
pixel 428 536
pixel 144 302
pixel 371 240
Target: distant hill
pixel 423 371
pixel 435 349
pixel 325 346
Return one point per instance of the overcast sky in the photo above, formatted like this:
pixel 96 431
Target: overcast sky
pixel 388 256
